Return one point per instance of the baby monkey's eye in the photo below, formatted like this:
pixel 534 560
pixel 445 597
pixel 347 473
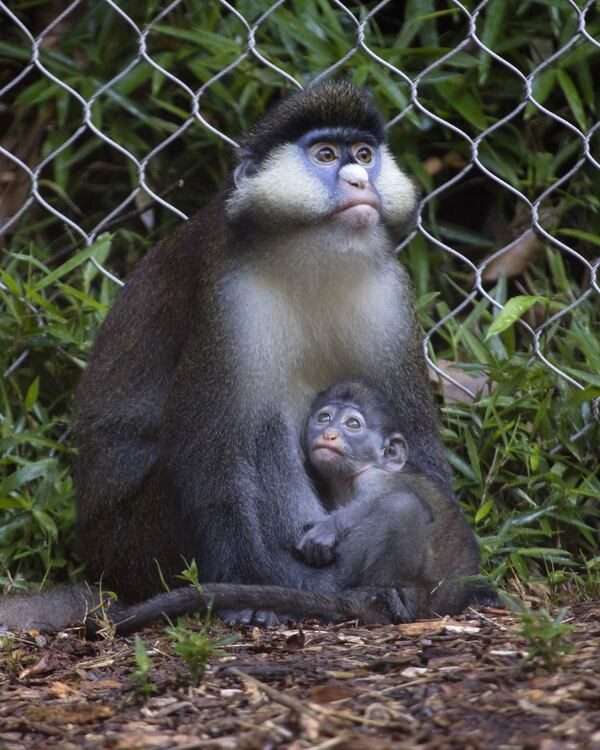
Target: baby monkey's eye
pixel 353 423
pixel 363 153
pixel 324 417
pixel 324 153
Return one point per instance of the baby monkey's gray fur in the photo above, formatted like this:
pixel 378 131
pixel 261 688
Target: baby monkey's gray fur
pixel 388 523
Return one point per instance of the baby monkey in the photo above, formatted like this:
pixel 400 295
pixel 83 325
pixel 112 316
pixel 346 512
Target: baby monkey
pixel 387 524
pixel 354 452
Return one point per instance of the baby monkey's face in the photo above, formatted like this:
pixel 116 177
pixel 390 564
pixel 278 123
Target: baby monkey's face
pixel 340 443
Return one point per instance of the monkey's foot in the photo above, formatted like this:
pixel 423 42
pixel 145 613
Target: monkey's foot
pixel 400 603
pixel 262 618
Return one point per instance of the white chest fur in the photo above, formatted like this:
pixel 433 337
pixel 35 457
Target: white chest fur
pixel 296 336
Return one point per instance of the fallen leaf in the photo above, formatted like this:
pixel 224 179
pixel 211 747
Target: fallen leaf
pixel 60 690
pixel 72 713
pixel 354 639
pixel 45 664
pixel 426 626
pixel 97 686
pixel 462 629
pixel 451 391
pixel 515 260
pixel 412 672
pixel 331 691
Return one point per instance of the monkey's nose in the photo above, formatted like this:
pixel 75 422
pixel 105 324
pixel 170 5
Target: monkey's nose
pixel 355 175
pixel 331 434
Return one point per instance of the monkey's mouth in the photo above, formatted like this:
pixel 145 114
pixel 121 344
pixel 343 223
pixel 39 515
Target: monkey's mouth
pixel 358 213
pixel 318 447
pixel 366 202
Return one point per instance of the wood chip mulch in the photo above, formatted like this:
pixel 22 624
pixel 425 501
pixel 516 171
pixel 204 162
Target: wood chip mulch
pixel 459 683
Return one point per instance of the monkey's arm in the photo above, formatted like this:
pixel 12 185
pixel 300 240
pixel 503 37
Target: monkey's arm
pixel 317 545
pixel 409 389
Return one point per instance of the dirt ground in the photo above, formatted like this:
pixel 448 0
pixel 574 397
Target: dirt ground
pixel 450 683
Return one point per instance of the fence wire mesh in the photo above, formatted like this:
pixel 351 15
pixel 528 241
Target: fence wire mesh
pixel 413 54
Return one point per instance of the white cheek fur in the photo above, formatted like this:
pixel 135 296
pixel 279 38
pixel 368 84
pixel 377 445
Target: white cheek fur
pixel 283 187
pixel 397 192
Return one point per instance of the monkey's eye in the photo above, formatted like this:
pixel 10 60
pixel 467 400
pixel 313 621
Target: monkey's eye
pixel 363 153
pixel 352 423
pixel 324 154
pixel 324 417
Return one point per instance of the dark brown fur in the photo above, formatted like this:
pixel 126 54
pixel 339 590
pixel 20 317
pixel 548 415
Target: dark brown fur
pixel 327 105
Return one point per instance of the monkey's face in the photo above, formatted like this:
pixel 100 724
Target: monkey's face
pixel 340 179
pixel 343 442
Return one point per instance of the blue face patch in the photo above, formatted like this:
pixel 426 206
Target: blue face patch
pixel 361 447
pixel 343 139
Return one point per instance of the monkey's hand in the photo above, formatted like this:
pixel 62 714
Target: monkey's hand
pixel 317 546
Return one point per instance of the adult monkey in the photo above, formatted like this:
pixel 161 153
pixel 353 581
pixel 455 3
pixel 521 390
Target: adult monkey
pixel 191 407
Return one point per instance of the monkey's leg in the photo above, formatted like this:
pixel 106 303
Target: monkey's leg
pixel 73 605
pixel 385 548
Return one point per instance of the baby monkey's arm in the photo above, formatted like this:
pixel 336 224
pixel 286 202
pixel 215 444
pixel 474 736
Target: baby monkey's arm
pixel 317 546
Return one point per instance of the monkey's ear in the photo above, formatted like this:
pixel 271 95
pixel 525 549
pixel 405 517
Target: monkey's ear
pixel 247 167
pixel 395 452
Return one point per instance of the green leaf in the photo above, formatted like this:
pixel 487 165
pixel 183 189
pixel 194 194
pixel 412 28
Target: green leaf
pixel 543 84
pixel 484 510
pixel 588 394
pixel 514 308
pixel 463 101
pixel 580 235
pixel 573 98
pixel 32 394
pixel 45 522
pixel 141 655
pixel 493 28
pixel 461 465
pixel 25 474
pixel 77 259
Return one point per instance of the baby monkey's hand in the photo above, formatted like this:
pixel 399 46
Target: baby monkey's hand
pixel 317 546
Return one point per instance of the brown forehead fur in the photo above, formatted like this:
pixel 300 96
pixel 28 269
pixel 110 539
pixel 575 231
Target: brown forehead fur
pixel 331 104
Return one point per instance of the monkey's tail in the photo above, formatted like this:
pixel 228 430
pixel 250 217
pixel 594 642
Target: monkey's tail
pixel 370 607
pixel 84 605
pixel 49 611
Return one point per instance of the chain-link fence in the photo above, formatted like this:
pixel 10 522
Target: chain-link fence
pixel 119 117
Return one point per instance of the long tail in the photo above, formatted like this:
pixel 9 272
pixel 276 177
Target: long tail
pixel 367 606
pixel 81 605
pixel 49 611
